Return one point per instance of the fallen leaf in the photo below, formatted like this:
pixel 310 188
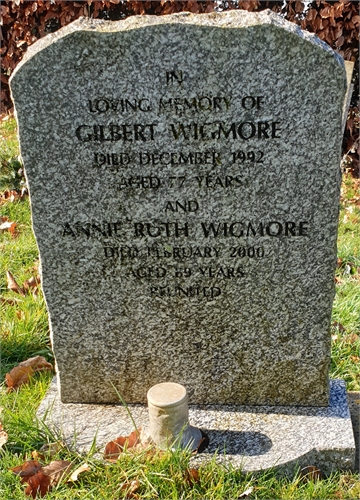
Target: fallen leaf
pixel 9 195
pixel 352 338
pixel 18 376
pixel 247 492
pixel 22 373
pixel 12 284
pixel 31 282
pixel 39 484
pixel 192 476
pixel 79 470
pixel 131 488
pixel 27 469
pixel 118 445
pixel 11 302
pixel 3 436
pixel 114 448
pixel 9 226
pixel 41 478
pixel 20 314
pixel 133 438
pixel 310 473
pixel 57 470
pixel 339 326
pixel 38 363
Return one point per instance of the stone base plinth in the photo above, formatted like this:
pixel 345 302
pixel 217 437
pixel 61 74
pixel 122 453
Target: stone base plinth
pixel 252 438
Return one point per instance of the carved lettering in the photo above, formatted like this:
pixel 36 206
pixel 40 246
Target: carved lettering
pixel 183 291
pixel 245 229
pixel 185 206
pixel 169 229
pixel 217 130
pixel 179 105
pixel 100 106
pixel 115 132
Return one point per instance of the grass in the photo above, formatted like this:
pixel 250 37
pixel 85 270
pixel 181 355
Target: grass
pixel 24 333
pixel 346 308
pixel 11 175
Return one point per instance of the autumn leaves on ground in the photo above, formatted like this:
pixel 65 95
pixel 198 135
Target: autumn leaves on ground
pixel 35 463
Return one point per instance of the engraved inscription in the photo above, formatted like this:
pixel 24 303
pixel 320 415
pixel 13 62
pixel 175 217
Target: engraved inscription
pixel 205 172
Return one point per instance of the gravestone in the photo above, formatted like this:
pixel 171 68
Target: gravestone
pixel 184 180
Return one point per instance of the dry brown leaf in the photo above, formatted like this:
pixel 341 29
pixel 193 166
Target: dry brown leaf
pixel 10 195
pixel 118 445
pixel 131 488
pixel 326 12
pixel 8 225
pixel 352 338
pixel 27 469
pixel 18 376
pixel 12 284
pixel 310 473
pixel 22 373
pixel 192 476
pixel 31 282
pixel 114 448
pixel 299 6
pixel 340 41
pixel 57 470
pixel 339 326
pixel 133 439
pixel 3 436
pixel 11 302
pixel 28 285
pixel 38 485
pixel 79 470
pixel 38 363
pixel 41 478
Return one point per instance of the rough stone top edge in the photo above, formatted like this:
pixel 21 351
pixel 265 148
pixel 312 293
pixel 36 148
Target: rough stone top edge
pixel 230 19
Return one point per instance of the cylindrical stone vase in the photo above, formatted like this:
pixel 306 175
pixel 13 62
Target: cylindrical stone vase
pixel 169 417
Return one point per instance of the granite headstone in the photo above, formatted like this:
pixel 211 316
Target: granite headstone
pixel 184 180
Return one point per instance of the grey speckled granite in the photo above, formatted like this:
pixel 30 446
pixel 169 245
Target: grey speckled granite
pixel 184 180
pixel 354 407
pixel 253 438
